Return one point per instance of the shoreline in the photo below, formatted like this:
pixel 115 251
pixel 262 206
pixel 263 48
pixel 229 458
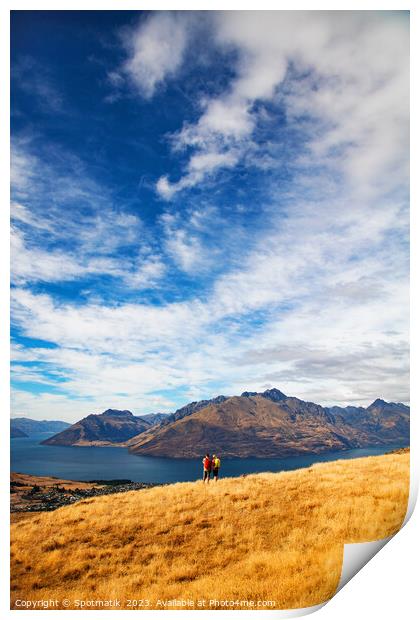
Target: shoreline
pixel 33 494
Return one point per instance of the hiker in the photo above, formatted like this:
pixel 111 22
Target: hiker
pixel 215 467
pixel 206 468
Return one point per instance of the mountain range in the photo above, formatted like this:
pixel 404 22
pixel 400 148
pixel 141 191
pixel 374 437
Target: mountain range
pixel 17 432
pixel 266 424
pixel 25 427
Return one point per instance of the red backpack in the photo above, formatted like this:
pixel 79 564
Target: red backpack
pixel 207 463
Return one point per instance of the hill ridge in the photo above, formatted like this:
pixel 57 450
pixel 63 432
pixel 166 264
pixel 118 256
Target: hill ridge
pixel 271 424
pixel 112 426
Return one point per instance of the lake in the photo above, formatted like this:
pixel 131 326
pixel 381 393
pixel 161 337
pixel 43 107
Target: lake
pixel 76 463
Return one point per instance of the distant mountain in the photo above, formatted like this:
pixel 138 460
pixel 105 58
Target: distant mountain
pixel 155 418
pixel 33 427
pixel 16 432
pixel 271 424
pixel 386 419
pixel 110 427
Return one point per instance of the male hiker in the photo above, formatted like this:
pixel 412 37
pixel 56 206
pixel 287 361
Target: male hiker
pixel 215 466
pixel 206 468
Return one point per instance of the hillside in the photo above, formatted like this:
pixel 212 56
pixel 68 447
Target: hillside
pixel 32 427
pixel 272 424
pixel 110 427
pixel 275 537
pixel 17 432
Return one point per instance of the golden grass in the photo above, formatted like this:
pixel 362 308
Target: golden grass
pixel 275 537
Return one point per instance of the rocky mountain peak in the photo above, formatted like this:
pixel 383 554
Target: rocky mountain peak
pixel 117 413
pixel 378 403
pixel 274 394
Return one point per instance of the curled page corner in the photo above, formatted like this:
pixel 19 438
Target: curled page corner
pixel 356 556
pixel 305 611
pixel 412 498
pixel 291 613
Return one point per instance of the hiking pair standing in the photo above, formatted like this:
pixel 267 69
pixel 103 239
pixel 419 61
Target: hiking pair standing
pixel 211 465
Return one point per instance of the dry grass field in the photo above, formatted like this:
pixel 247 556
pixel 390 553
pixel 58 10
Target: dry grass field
pixel 276 537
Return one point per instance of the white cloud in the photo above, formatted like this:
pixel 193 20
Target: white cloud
pixel 31 77
pixel 45 406
pixel 183 241
pixel 48 243
pixel 184 249
pixel 324 334
pixel 199 166
pixel 164 188
pixel 156 50
pixel 224 120
pixel 348 73
pixel 20 213
pixel 146 273
pixel 22 169
pixel 32 264
pixel 315 301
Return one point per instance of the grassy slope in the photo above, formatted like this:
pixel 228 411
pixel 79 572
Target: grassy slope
pixel 265 536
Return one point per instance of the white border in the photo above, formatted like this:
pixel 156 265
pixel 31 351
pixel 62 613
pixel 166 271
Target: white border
pixel 366 594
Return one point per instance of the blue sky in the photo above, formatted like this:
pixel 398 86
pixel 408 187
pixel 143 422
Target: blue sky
pixel 205 203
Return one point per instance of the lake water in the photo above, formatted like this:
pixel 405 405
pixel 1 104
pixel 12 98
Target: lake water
pixel 76 463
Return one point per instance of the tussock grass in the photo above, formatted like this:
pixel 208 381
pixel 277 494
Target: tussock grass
pixel 262 537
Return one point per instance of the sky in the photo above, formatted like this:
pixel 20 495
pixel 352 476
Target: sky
pixel 205 203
